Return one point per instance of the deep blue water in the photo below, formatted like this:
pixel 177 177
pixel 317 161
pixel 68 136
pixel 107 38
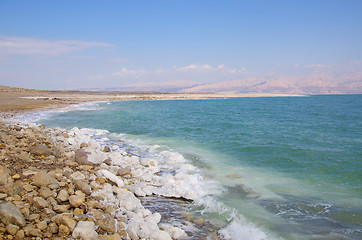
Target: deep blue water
pixel 299 158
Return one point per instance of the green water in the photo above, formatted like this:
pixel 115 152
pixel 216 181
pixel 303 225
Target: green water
pixel 296 161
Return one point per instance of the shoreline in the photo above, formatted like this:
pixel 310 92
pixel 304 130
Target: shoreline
pixel 102 187
pixel 18 100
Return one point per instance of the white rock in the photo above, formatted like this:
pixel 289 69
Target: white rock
pixel 77 176
pixel 85 230
pixel 111 177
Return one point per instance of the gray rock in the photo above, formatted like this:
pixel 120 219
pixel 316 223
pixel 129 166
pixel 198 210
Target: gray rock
pixel 10 214
pixel 5 177
pixel 81 157
pixel 83 186
pixel 43 179
pixel 40 149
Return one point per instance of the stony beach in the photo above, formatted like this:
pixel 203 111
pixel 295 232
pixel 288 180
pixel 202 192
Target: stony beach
pixel 60 184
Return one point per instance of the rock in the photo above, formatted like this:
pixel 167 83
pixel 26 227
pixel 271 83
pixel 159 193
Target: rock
pixel 100 180
pixel 5 176
pixel 16 176
pixel 85 230
pixel 174 232
pixel 76 200
pixel 13 188
pixel 67 221
pixel 83 186
pixel 34 232
pixel 108 224
pixel 63 196
pixel 40 150
pixel 61 208
pixel 10 214
pixel 34 217
pixel 63 230
pixel 3 196
pixel 81 157
pixel 53 228
pixel 12 229
pixel 234 175
pixel 45 192
pixel 20 234
pixel 40 202
pixel 43 179
pixel 108 161
pixel 42 225
pixel 106 149
pixel 77 176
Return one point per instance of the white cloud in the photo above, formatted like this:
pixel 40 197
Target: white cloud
pixel 127 72
pixel 194 67
pixel 316 66
pixel 10 45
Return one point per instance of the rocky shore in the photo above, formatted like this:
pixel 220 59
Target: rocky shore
pixel 52 187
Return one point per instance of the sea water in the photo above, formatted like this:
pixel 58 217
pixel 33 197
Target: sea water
pixel 275 168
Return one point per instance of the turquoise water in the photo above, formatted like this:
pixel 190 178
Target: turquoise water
pixel 296 161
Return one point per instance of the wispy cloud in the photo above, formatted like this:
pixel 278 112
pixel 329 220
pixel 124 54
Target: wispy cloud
pixel 10 45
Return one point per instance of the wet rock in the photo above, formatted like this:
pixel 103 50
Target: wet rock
pixel 43 179
pixel 10 214
pixel 81 157
pixel 40 150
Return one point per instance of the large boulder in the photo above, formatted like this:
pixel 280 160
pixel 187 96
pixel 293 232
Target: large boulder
pixel 10 214
pixel 85 230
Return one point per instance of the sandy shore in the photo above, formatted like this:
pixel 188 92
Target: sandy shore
pixel 16 100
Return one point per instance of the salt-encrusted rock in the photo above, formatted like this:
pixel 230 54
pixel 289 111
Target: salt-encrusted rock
pixel 174 232
pixel 111 177
pixel 81 157
pixel 108 224
pixel 40 202
pixel 5 177
pixel 10 214
pixel 40 150
pixel 63 196
pixel 85 230
pixel 12 229
pixel 76 200
pixel 83 186
pixel 43 179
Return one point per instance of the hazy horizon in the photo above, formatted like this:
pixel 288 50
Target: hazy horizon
pixel 193 46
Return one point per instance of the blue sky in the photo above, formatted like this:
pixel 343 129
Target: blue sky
pixel 96 44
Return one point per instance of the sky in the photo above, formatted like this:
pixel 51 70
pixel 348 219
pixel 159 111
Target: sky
pixel 89 44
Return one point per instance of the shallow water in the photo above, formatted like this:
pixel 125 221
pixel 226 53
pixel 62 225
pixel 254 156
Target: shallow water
pixel 296 160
